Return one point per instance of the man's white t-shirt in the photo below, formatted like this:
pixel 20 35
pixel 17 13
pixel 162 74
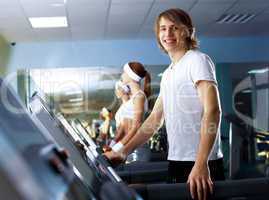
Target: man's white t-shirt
pixel 182 107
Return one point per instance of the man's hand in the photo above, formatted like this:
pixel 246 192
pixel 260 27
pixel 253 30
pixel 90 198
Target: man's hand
pixel 200 182
pixel 106 148
pixel 115 158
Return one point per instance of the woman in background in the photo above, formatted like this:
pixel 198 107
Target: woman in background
pixel 133 110
pixel 122 92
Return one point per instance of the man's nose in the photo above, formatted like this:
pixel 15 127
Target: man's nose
pixel 169 32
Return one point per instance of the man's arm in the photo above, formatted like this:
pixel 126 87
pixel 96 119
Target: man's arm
pixel 199 178
pixel 209 96
pixel 148 128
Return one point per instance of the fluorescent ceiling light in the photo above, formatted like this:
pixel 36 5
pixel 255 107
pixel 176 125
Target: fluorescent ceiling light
pixel 76 99
pixel 59 4
pixel 48 22
pixel 72 92
pixel 258 71
pixel 246 91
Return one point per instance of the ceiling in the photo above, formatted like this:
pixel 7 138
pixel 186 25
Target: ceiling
pixel 125 19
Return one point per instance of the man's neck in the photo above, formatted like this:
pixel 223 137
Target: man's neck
pixel 177 55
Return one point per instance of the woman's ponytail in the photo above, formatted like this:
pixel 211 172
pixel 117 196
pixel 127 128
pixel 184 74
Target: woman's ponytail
pixel 147 85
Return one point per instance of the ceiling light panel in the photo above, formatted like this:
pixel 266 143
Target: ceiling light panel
pixel 48 22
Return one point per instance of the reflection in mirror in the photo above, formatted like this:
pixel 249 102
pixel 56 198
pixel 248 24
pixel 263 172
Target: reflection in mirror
pixel 82 92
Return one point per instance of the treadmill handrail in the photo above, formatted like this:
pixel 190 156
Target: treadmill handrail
pixel 86 136
pixel 222 189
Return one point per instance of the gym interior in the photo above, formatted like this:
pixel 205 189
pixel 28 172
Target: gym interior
pixel 56 78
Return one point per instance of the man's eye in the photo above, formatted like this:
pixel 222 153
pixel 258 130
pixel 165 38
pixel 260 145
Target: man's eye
pixel 162 29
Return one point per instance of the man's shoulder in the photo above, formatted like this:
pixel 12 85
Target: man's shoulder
pixel 196 56
pixel 165 71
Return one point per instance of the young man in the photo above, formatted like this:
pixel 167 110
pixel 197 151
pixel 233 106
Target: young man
pixel 189 103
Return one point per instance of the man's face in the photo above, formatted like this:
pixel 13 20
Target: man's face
pixel 170 35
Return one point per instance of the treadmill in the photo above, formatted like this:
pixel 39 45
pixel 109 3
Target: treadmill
pixel 85 154
pixel 134 172
pixel 140 173
pixel 33 166
pixel 231 189
pixel 85 158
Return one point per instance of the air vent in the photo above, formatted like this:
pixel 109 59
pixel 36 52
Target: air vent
pixel 235 18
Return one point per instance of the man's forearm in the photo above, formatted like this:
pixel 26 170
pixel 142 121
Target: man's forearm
pixel 209 127
pixel 130 134
pixel 119 134
pixel 148 128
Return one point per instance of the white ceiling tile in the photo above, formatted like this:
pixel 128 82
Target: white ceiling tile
pixel 123 13
pixel 201 29
pixel 121 35
pixel 91 2
pixel 53 34
pixel 13 23
pixel 87 18
pixel 146 32
pixel 121 31
pixel 218 1
pixel 235 30
pixel 249 7
pixel 200 12
pixel 130 1
pixel 261 18
pixel 86 14
pixel 9 3
pixel 41 1
pixel 11 11
pixel 43 9
pixel 251 1
pixel 124 20
pixel 210 8
pixel 86 21
pixel 174 1
pixel 125 9
pixel 266 10
pixel 94 32
pixel 122 27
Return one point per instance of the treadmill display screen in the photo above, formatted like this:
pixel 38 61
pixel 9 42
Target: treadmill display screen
pixel 16 122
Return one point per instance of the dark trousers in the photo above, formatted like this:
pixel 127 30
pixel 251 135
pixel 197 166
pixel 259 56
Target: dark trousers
pixel 178 171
